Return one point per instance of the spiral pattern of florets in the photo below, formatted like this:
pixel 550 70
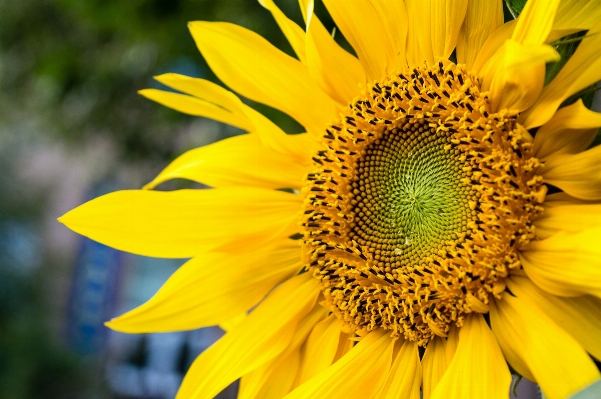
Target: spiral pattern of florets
pixel 416 209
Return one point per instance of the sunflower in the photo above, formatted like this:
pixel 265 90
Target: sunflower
pixel 437 224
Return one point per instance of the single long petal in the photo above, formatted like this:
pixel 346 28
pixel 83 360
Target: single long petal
pixel 276 378
pixel 579 316
pixel 566 264
pixel 482 18
pixel 336 71
pixel 478 357
pixel 369 27
pixel 434 365
pixel 552 357
pixel 184 223
pixel 366 365
pixel 535 22
pixel 405 376
pixel 293 32
pixel 236 161
pixel 196 107
pixel 582 70
pixel 320 349
pixel 578 175
pixel 212 288
pixel 568 217
pixel 571 130
pixel 263 335
pixel 250 65
pixel 437 26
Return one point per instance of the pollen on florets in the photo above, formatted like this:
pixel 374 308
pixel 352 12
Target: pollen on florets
pixel 415 210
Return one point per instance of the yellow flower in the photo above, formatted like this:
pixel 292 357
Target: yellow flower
pixel 416 215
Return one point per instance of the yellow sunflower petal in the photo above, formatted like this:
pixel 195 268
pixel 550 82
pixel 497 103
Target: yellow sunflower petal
pixel 478 369
pixel 204 90
pixel 321 347
pixel 434 365
pixel 232 323
pixel 481 19
pixel 578 175
pixel 405 376
pixel 582 70
pixel 237 161
pixel 301 147
pixel 263 335
pixel 568 217
pixel 250 65
pixel 197 107
pixel 366 365
pixel 452 342
pixel 579 316
pixel 336 71
pixel 297 146
pixel 437 26
pixel 293 32
pixel 553 357
pixel 566 264
pixel 571 130
pixel 515 76
pixel 210 289
pixel 275 379
pixel 369 27
pixel 494 42
pixel 184 223
pixel 573 16
pixel 535 22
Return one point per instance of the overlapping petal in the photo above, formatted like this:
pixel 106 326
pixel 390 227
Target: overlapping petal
pixel 436 25
pixel 555 360
pixel 582 70
pixel 405 375
pixel 275 379
pixel 376 31
pixel 237 161
pixel 579 315
pixel 571 130
pixel 478 368
pixel 250 65
pixel 481 19
pixel 578 175
pixel 211 289
pixel 319 351
pixel 336 71
pixel 262 336
pixel 434 365
pixel 366 365
pixel 566 264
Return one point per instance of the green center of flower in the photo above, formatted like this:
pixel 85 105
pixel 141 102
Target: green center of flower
pixel 409 195
pixel 419 203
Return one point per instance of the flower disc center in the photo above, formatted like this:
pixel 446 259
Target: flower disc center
pixel 419 203
pixel 408 195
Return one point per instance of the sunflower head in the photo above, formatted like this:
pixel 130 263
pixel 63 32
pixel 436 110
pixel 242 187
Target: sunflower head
pixel 417 208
